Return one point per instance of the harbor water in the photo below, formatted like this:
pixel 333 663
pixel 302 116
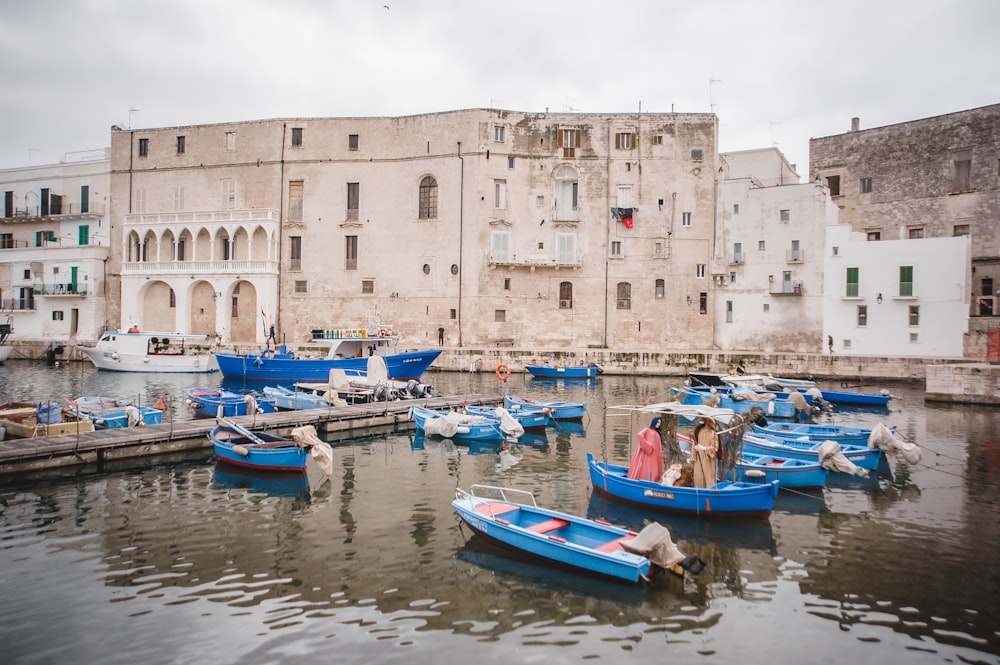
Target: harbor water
pixel 178 561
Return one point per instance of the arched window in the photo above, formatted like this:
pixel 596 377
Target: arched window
pixel 565 295
pixel 428 198
pixel 567 183
pixel 624 295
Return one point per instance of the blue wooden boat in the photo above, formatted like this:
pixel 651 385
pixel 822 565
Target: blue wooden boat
pixel 816 431
pixel 349 350
pixel 557 410
pixel 593 546
pixel 213 403
pixel 772 408
pixel 724 499
pixel 238 446
pixel 286 399
pixel 456 426
pixel 529 420
pixel 852 398
pixel 809 449
pixel 756 467
pixel 111 413
pixel 588 371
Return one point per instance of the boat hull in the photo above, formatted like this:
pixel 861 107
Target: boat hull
pixel 556 410
pixel 151 352
pixel 285 368
pixel 816 431
pixel 487 430
pixel 849 398
pixel 725 499
pixel 573 372
pixel 235 449
pixel 861 456
pixel 209 401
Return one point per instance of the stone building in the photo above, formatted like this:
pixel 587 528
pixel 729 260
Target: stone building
pixel 930 178
pixel 500 227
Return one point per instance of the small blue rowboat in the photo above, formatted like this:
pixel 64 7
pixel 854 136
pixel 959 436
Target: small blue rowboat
pixel 724 499
pixel 286 399
pixel 236 445
pixel 215 403
pixel 851 398
pixel 593 546
pixel 817 432
pixel 772 408
pixel 557 410
pixel 755 467
pixel 457 426
pixel 809 449
pixel 588 371
pixel 529 420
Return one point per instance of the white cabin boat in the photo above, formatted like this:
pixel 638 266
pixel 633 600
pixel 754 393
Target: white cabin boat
pixel 119 351
pixel 6 329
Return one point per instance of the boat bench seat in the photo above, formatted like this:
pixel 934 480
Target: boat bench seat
pixel 548 525
pixel 495 508
pixel 614 545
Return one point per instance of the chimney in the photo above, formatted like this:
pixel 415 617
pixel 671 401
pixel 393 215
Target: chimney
pixel 855 124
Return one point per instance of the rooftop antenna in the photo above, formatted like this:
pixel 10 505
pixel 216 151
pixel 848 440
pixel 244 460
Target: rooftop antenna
pixel 131 110
pixel 711 104
pixel 569 109
pixel 494 102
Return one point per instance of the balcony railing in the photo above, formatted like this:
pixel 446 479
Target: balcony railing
pixel 794 256
pixel 58 289
pixel 203 217
pixel 535 261
pixel 17 304
pixel 737 258
pixel 66 210
pixel 247 267
pixel 792 288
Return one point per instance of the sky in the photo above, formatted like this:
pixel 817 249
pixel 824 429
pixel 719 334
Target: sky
pixel 775 72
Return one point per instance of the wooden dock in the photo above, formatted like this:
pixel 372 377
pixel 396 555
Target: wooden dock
pixel 66 454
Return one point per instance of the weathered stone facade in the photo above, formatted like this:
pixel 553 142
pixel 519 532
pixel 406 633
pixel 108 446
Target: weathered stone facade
pixel 931 178
pixel 499 227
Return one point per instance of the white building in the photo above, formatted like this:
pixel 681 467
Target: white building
pixel 54 246
pixel 768 264
pixel 896 297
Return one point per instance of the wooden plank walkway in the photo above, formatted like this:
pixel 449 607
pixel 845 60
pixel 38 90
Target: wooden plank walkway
pixel 70 451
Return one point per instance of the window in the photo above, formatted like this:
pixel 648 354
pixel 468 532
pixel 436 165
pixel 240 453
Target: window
pixel 737 252
pixel 852 283
pixel 565 295
pixel 83 234
pixel 866 185
pixel 567 193
pixel 703 303
pixel 761 245
pixel 833 182
pixel 986 286
pixel 180 145
pixel 234 310
pixel 500 194
pixel 427 268
pixel 178 199
pixel 295 200
pixel 624 290
pixel 915 233
pixel 499 315
pixel 498 133
pixel 230 141
pixel 296 137
pixel 914 315
pixel 874 235
pixel 624 196
pixel 732 278
pixel 143 147
pixel 6 241
pixel 352 142
pixel 569 141
pixel 506 283
pixel 862 316
pixel 295 252
pixel 301 286
pixel 685 219
pixel 736 208
pixel 368 286
pixel 510 162
pixel 353 200
pixel 767 307
pixel 181 250
pixel 658 139
pixel 697 155
pixel 500 246
pixel 905 281
pixel 961 171
pixel 173 299
pixel 658 248
pixel 960 230
pixel 700 271
pixel 428 200
pixel 57 316
pixel 454 269
pixel 784 216
pixel 796 253
pixel 660 289
pixel 565 248
pixel 616 248
pixel 625 140
pixel 351 252
pixel 227 187
pixel 729 311
pixel 452 313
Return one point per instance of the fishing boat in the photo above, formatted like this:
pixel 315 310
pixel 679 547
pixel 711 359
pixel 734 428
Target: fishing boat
pixel 236 445
pixel 27 420
pixel 853 398
pixel 460 426
pixel 371 385
pixel 816 431
pixel 211 402
pixel 6 330
pixel 348 350
pixel 754 381
pixel 111 412
pixel 788 472
pixel 286 399
pixel 811 449
pixel 741 401
pixel 513 519
pixel 529 420
pixel 134 351
pixel 588 371
pixel 557 410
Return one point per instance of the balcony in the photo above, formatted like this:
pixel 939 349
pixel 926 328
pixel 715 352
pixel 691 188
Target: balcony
pixel 791 288
pixel 201 268
pixel 262 215
pixel 58 289
pixel 737 259
pixel 499 259
pixel 794 256
pixel 67 212
pixel 17 304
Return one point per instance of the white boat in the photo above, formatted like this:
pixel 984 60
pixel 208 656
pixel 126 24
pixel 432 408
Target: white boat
pixel 6 329
pixel 119 351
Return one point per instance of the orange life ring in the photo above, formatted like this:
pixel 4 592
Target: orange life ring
pixel 503 372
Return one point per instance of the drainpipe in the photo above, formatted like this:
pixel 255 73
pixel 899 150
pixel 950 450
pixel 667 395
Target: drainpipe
pixel 461 230
pixel 281 232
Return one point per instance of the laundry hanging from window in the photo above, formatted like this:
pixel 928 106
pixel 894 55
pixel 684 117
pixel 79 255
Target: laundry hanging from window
pixel 623 216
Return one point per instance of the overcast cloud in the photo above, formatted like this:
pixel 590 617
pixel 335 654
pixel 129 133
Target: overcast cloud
pixel 776 72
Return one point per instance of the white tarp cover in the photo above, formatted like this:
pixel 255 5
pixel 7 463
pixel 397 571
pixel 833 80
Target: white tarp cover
pixel 508 424
pixel 884 439
pixel 831 457
pixel 654 543
pixel 305 436
pixel 451 424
